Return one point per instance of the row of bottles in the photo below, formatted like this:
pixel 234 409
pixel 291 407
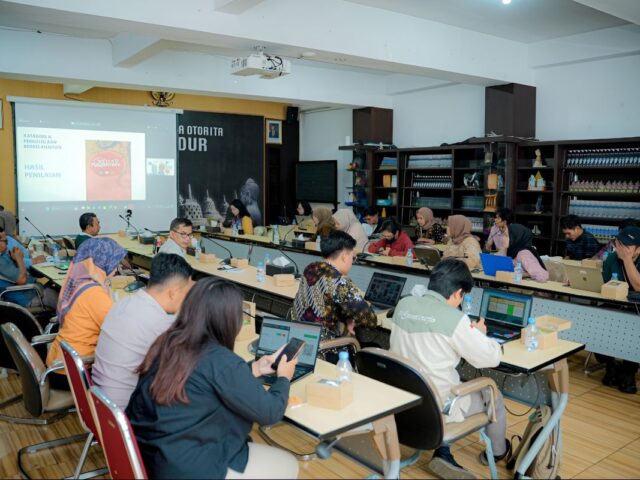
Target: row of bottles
pixel 602 186
pixel 603 157
pixel 604 209
pixel 431 181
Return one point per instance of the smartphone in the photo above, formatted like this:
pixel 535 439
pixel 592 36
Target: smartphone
pixel 291 351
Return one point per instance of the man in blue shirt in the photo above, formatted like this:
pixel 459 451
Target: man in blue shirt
pixel 13 271
pixel 13 243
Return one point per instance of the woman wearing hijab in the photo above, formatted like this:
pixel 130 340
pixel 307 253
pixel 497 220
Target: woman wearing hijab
pixel 461 243
pixel 520 247
pixel 325 224
pixel 429 231
pixel 347 222
pixel 85 300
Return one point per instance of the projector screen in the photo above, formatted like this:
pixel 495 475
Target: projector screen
pixel 77 157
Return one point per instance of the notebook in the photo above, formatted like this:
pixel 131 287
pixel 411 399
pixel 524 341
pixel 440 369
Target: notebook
pixel 384 291
pixel 584 278
pixel 493 263
pixel 505 313
pixel 276 332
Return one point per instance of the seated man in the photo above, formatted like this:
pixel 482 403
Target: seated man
pixel 180 235
pixel 373 220
pixel 134 323
pixel 13 243
pixel 580 244
pixel 625 262
pixel 432 331
pixel 7 221
pixel 326 295
pixel 13 271
pixel 90 226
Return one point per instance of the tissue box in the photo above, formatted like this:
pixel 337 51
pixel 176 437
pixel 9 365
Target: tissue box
pixel 207 258
pixel 615 289
pixel 310 246
pixel 248 329
pixel 227 231
pixel 331 394
pixel 192 251
pixel 239 262
pixel 588 262
pixel 277 270
pixel 546 338
pixel 548 328
pixel 284 280
pixel 296 243
pixel 503 276
pixel 121 281
pixel 144 240
pixel 36 259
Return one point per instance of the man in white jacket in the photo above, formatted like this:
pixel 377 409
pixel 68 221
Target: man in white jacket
pixel 433 332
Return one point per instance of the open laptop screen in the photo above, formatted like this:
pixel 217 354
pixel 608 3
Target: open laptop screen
pixel 275 333
pixel 385 290
pixel 504 307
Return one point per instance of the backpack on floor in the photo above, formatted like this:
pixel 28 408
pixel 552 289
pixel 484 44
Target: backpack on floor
pixel 546 463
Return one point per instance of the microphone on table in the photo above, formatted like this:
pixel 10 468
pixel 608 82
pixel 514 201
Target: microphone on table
pixel 129 224
pixel 362 255
pixel 250 252
pixel 44 236
pixel 226 261
pixel 297 272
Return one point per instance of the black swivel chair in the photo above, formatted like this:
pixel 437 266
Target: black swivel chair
pixel 423 427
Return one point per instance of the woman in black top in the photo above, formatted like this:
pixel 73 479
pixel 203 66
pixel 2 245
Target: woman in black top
pixel 196 400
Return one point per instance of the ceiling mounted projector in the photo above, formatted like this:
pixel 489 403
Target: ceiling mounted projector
pixel 267 66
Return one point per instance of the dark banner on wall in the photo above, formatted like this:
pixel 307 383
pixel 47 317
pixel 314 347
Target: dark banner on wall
pixel 220 158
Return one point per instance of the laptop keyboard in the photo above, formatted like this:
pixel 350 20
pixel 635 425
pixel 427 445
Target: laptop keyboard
pixel 270 379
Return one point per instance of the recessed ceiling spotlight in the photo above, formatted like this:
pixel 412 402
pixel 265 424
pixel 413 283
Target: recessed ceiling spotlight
pixel 506 2
pixel 308 54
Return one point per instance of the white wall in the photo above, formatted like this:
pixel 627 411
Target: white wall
pixel 321 133
pixel 430 117
pixel 599 99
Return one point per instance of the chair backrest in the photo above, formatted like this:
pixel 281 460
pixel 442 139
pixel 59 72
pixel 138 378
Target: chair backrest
pixel 422 426
pixel 80 382
pixel 30 367
pixel 117 439
pixel 24 321
pixel 69 243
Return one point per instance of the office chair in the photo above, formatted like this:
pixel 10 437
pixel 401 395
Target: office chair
pixel 423 427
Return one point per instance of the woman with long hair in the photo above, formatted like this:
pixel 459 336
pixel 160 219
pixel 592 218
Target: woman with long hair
pixel 347 222
pixel 323 219
pixel 461 243
pixel 196 400
pixel 519 246
pixel 241 218
pixel 85 300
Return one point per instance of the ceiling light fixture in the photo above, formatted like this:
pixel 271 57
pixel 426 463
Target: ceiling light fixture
pixel 506 2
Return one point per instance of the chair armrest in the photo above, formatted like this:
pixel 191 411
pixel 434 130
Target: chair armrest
pixel 88 359
pixel 340 342
pixel 477 385
pixel 18 288
pixel 46 338
pixel 55 367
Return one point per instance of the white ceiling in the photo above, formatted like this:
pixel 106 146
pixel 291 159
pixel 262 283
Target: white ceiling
pixel 377 47
pixel 525 21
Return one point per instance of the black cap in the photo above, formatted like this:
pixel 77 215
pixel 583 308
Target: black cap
pixel 629 236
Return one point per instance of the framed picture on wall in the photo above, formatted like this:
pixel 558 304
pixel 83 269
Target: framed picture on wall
pixel 273 131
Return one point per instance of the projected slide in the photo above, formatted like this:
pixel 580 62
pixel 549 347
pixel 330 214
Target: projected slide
pixel 78 157
pixel 80 165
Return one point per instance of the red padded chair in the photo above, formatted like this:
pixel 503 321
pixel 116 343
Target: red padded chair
pixel 117 439
pixel 80 382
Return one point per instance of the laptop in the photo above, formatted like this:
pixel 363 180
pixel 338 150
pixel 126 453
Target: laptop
pixel 276 332
pixel 584 278
pixel 384 291
pixel 494 263
pixel 427 256
pixel 505 313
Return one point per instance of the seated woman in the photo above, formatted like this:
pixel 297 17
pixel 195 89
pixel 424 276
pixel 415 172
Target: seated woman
pixel 196 400
pixel 461 243
pixel 347 222
pixel 324 222
pixel 241 219
pixel 394 242
pixel 304 210
pixel 519 246
pixel 85 300
pixel 498 231
pixel 429 230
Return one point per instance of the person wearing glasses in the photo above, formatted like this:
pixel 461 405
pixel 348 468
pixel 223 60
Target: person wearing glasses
pixel 180 235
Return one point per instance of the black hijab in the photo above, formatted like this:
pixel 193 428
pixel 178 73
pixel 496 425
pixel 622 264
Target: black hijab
pixel 521 238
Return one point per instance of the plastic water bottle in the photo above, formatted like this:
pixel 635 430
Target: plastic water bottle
pixel 614 276
pixel 467 304
pixel 343 367
pixel 260 275
pixel 318 242
pixel 409 259
pixel 517 273
pixel 198 250
pixel 531 335
pixel 235 231
pixel 276 235
pixel 56 254
pixel 267 260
